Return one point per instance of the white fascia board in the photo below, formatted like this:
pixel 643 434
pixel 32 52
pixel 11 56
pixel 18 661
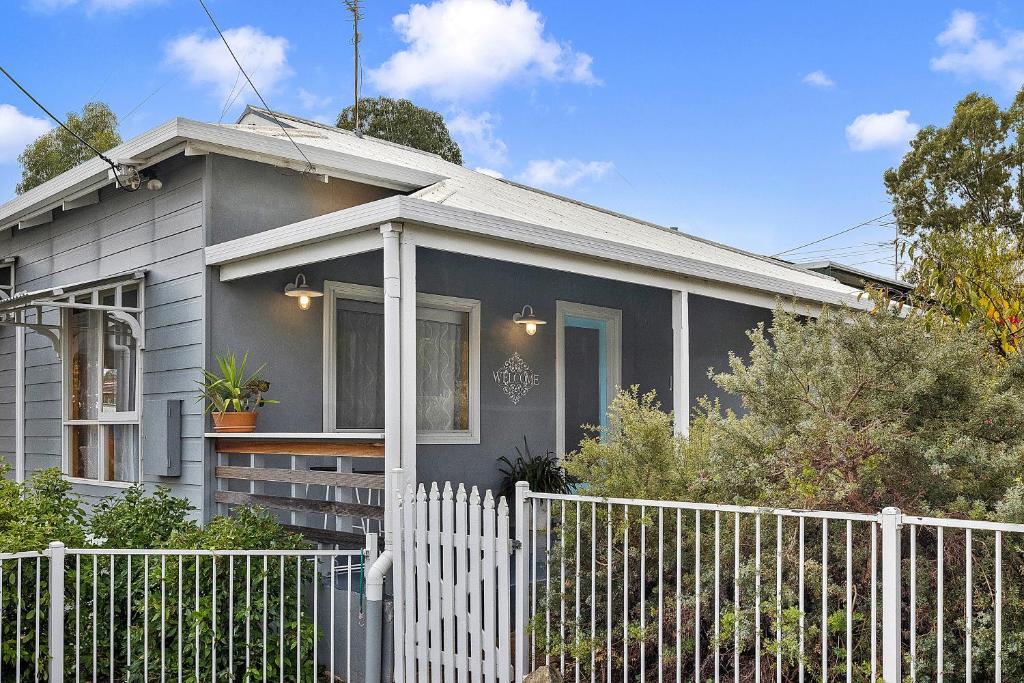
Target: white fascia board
pixel 308 232
pixel 345 244
pixel 433 214
pixel 158 143
pixel 502 238
pixel 339 164
pixel 85 177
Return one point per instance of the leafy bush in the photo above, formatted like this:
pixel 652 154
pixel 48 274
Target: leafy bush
pixel 543 472
pixel 851 412
pixel 194 588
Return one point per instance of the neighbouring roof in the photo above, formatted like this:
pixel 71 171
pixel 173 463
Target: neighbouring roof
pixel 424 177
pixel 855 277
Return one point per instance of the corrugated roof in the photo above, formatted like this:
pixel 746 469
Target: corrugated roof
pixel 467 189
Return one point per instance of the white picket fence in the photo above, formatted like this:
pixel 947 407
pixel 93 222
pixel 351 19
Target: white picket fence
pixel 452 588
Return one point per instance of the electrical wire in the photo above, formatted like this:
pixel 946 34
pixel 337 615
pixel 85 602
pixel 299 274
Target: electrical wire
pixel 60 123
pixel 310 166
pixel 835 234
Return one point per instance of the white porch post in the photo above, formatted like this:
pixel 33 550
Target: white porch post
pixel 681 361
pixel 19 403
pixel 392 234
pixel 408 364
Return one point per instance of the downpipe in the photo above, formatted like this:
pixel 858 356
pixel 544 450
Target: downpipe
pixel 375 579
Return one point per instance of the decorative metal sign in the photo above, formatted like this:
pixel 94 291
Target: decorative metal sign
pixel 515 378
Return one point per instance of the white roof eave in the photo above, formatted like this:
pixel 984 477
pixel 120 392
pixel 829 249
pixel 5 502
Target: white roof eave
pixel 421 212
pixel 93 174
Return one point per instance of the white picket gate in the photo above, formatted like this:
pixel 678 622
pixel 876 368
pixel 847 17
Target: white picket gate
pixel 452 568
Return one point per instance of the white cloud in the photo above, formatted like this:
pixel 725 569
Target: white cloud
pixel 462 49
pixel 970 55
pixel 311 100
pixel 962 29
pixel 878 131
pixel 563 173
pixel 819 79
pixel 489 171
pixel 207 62
pixel 17 130
pixel 475 135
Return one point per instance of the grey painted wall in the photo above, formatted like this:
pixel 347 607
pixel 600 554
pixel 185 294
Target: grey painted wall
pixel 290 341
pixel 159 231
pixel 247 197
pixel 716 328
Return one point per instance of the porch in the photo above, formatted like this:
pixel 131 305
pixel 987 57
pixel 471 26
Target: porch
pixel 409 337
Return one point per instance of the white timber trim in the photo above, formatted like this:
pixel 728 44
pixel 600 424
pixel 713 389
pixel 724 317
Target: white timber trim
pixel 334 291
pixel 612 317
pixel 681 361
pixel 391 235
pixel 86 199
pixel 407 344
pixel 169 139
pixel 357 242
pixel 450 229
pixel 19 404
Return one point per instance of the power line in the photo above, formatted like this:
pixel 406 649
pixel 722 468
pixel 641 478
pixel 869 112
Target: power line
pixel 266 106
pixel 835 234
pixel 60 123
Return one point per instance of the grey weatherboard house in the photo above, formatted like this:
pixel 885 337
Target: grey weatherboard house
pixel 111 303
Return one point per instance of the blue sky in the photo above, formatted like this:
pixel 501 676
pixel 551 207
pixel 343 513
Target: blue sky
pixel 762 125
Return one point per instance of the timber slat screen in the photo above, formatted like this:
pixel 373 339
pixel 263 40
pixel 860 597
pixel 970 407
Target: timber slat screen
pixel 309 484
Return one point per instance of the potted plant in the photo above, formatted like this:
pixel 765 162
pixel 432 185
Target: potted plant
pixel 232 397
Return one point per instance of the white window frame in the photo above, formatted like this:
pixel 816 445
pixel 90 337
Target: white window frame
pixel 345 290
pixel 104 420
pixel 612 317
pixel 7 277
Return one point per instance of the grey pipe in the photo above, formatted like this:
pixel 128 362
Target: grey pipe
pixel 375 578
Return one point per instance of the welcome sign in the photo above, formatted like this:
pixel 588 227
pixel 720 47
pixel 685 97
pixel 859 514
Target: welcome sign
pixel 515 378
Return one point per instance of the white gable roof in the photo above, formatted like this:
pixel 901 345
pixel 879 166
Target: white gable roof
pixel 464 188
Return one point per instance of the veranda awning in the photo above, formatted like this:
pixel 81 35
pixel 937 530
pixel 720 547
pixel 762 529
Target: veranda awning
pixel 26 308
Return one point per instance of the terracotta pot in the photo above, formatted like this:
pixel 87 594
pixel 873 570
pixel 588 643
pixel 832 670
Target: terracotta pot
pixel 234 422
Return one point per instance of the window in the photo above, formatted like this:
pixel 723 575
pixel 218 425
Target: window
pixel 447 363
pixel 7 278
pixel 101 367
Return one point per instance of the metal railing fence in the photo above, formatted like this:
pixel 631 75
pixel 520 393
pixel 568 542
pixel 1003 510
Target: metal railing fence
pixel 180 615
pixel 621 589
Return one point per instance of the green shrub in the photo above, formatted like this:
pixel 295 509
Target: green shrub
pixel 850 412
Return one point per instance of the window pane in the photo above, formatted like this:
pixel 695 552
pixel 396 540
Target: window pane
pixel 84 390
pixel 84 451
pixel 119 358
pixel 123 452
pixel 442 371
pixel 360 365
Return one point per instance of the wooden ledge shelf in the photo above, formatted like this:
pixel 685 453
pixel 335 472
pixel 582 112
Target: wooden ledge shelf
pixel 298 444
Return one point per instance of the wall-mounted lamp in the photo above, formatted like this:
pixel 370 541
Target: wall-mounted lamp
pixel 301 291
pixel 528 319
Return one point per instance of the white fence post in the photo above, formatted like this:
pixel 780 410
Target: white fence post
pixel 892 602
pixel 522 590
pixel 56 621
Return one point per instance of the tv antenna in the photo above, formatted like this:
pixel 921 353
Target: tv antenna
pixel 354 8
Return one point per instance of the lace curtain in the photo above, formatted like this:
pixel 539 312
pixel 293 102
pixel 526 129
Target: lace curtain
pixel 441 370
pixel 440 383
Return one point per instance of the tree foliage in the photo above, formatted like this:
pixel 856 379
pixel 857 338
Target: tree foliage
pixel 957 198
pixel 58 150
pixel 850 412
pixel 402 122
